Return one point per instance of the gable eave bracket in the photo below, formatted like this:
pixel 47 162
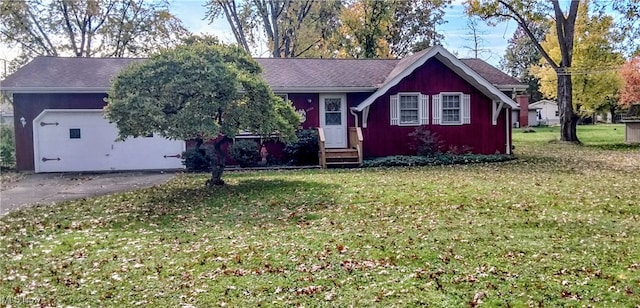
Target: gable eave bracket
pixel 495 111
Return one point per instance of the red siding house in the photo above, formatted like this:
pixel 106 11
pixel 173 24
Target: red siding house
pixel 366 106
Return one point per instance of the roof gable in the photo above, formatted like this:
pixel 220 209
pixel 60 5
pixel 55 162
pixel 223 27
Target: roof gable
pixel 543 102
pixel 415 61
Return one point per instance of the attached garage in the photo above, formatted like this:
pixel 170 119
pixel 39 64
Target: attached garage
pixel 83 140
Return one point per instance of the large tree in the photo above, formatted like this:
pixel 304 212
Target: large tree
pixel 199 92
pixel 110 28
pixel 521 53
pixel 290 28
pixel 595 62
pixel 385 29
pixel 529 12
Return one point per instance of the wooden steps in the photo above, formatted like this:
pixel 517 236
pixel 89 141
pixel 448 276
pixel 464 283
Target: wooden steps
pixel 347 157
pixel 342 157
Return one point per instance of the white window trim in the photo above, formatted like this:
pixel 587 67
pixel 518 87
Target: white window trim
pixel 459 94
pixel 423 109
pixel 417 95
pixel 285 96
pixel 465 108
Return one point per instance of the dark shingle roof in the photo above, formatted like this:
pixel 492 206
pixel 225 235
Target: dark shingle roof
pixel 325 73
pixel 60 72
pixel 490 73
pixel 96 73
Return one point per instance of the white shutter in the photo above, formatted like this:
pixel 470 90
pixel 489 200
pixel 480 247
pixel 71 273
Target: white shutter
pixel 393 109
pixel 435 109
pixel 424 109
pixel 466 109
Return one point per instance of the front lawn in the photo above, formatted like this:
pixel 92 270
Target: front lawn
pixel 558 226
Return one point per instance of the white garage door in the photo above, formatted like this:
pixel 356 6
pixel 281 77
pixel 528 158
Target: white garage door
pixel 83 140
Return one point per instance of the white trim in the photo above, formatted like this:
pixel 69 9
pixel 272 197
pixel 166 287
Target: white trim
pixel 495 111
pixel 281 94
pixel 465 108
pixel 436 109
pixel 512 87
pixel 343 115
pixel 418 96
pixel 485 86
pixel 542 102
pixel 365 116
pixel 424 109
pixel 507 125
pixel 461 108
pixel 394 109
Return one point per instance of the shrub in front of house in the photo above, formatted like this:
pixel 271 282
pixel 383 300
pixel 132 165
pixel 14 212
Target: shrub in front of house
pixel 303 151
pixel 441 159
pixel 425 142
pixel 197 160
pixel 245 152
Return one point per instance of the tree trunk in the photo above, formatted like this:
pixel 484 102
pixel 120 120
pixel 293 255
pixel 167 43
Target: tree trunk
pixel 612 110
pixel 568 119
pixel 218 163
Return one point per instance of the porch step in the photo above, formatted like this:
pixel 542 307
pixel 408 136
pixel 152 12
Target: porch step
pixel 341 153
pixel 341 157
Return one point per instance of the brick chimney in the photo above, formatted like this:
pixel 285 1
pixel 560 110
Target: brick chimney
pixel 523 101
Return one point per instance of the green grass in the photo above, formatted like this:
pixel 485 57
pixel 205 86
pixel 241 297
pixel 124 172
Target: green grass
pixel 557 227
pixel 592 135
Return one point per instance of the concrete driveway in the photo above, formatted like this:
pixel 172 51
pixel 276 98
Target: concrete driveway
pixel 55 187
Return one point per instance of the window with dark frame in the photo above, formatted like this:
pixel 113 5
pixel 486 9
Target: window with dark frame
pixel 74 133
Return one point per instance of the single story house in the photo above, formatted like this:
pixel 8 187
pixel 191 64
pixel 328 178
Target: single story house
pixel 522 118
pixel 547 112
pixel 6 113
pixel 365 105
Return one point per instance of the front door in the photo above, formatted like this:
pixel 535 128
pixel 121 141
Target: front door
pixel 333 119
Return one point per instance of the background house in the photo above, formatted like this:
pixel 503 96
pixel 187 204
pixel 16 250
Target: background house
pixel 467 102
pixel 6 112
pixel 547 112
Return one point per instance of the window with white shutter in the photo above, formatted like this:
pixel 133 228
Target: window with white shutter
pixel 435 109
pixel 466 109
pixel 393 109
pixel 424 109
pixel 451 108
pixel 409 109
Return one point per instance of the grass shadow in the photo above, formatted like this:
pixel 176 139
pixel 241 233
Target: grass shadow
pixel 243 200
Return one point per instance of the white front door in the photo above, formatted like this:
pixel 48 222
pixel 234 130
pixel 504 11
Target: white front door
pixel 333 119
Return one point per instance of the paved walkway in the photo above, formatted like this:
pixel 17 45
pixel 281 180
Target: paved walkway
pixel 55 187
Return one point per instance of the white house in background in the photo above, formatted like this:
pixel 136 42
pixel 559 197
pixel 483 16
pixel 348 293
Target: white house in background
pixel 547 112
pixel 6 113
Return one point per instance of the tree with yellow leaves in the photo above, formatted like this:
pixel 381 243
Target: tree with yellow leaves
pixel 595 63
